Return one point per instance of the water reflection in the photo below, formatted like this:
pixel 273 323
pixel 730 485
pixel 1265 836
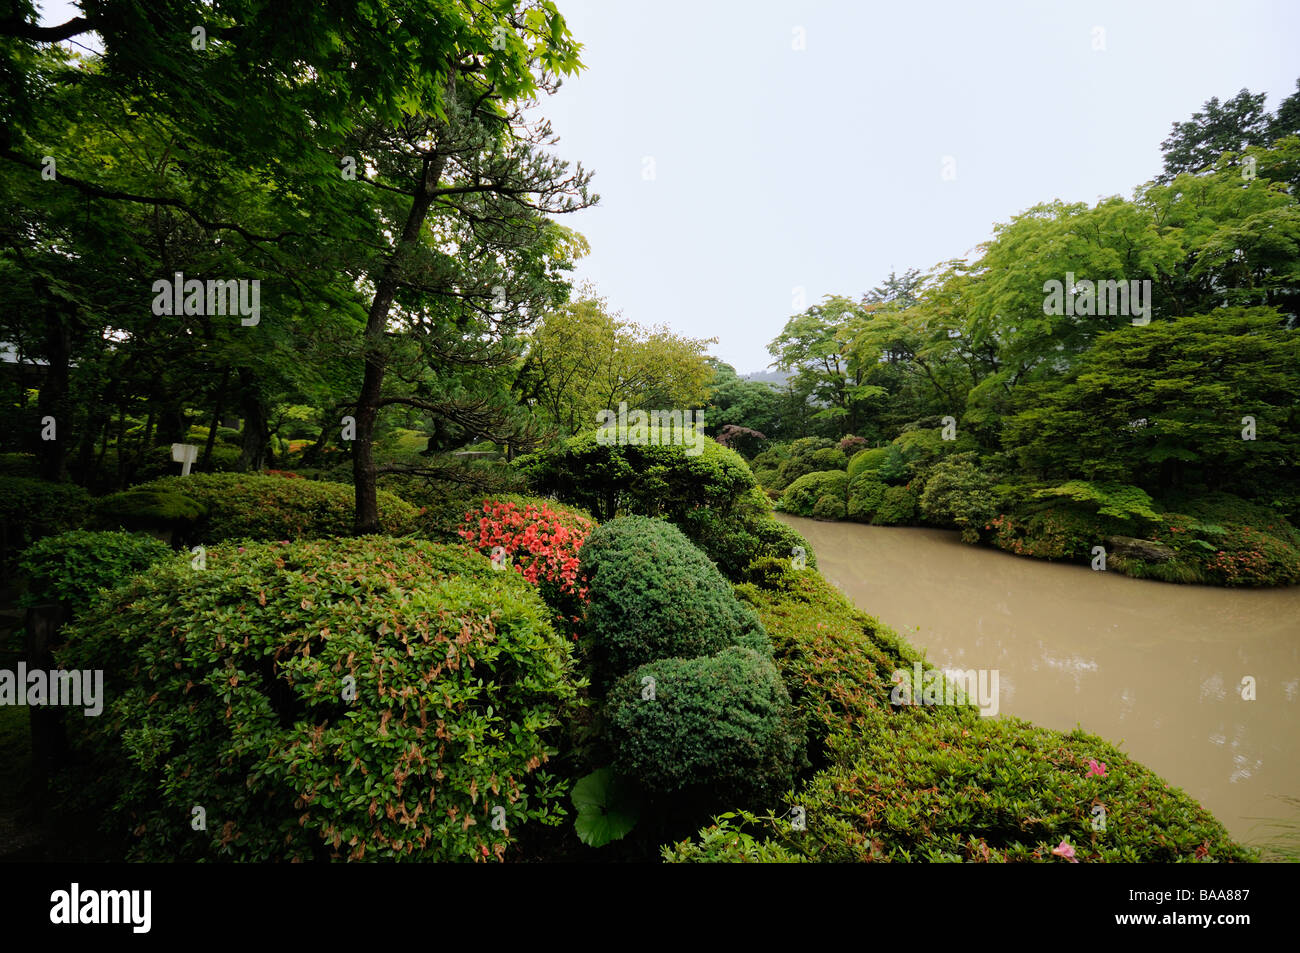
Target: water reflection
pixel 1162 671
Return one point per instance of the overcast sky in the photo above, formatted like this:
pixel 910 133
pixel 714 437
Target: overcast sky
pixel 749 149
pixel 777 168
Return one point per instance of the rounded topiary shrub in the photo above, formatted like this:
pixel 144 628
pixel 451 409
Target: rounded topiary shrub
pixel 162 510
pixel 801 496
pixel 72 567
pixel 897 507
pixel 829 458
pixel 718 727
pixel 869 459
pixel 829 507
pixel 866 493
pixel 259 506
pixel 652 595
pixel 364 698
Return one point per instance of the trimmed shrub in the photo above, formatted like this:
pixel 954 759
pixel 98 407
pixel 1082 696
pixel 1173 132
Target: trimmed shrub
pixel 866 493
pixel 941 783
pixel 772 457
pixel 897 507
pixel 652 595
pixel 733 540
pixel 717 729
pixel 829 507
pixel 851 444
pixel 651 480
pixel 768 572
pixel 256 506
pixel 162 510
pixel 73 567
pixel 1056 532
pixel 32 509
pixel 830 458
pixel 782 542
pixel 837 661
pixel 865 460
pixel 801 496
pixel 768 479
pixel 964 788
pixel 356 699
pixel 799 460
pixel 958 493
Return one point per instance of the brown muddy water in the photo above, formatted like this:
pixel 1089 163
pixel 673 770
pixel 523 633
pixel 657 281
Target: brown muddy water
pixel 1156 669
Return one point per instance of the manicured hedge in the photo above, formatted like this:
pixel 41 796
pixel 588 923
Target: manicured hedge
pixel 715 729
pixel 837 661
pixel 897 506
pixel 160 508
pixel 653 595
pixel 665 480
pixel 864 460
pixel 829 458
pixel 798 459
pixel 735 539
pixel 937 783
pixel 866 493
pixel 73 567
pixel 258 506
pixel 360 699
pixel 801 496
pixel 961 788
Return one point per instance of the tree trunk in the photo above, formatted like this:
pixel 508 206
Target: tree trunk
pixel 53 400
pixel 372 384
pixel 256 431
pixel 215 420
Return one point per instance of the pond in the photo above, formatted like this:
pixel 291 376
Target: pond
pixel 1156 669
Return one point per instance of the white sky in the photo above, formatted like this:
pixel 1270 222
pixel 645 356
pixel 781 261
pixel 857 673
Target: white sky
pixel 820 169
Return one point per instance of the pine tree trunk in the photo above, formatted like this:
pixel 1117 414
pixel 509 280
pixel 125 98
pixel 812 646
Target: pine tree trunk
pixel 372 384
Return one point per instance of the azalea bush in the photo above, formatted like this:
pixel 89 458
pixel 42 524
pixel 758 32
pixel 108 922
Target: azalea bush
pixel 351 699
pixel 73 567
pixel 948 786
pixel 540 543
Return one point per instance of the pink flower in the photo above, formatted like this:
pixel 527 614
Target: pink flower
pixel 1065 850
pixel 1096 769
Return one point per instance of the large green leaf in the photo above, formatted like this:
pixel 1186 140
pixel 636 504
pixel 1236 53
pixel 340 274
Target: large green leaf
pixel 607 808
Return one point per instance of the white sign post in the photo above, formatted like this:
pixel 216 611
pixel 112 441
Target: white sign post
pixel 184 454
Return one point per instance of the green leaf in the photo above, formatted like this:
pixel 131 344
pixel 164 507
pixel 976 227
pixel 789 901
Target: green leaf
pixel 607 808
